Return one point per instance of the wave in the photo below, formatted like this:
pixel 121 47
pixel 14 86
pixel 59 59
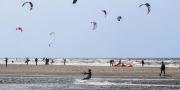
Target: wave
pixel 136 62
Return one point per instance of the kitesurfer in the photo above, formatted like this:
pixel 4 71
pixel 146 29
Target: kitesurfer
pixel 89 74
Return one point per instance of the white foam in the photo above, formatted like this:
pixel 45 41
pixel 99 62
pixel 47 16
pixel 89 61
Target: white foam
pixel 133 79
pixel 149 85
pixel 99 83
pixel 94 62
pixel 93 82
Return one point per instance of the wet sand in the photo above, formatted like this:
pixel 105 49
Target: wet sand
pixel 50 82
pixel 77 70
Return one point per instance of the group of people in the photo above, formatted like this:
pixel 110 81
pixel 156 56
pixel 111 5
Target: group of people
pixel 89 73
pixel 47 60
pixel 162 68
pixel 36 60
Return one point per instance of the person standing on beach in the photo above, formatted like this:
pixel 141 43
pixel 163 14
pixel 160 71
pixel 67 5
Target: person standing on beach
pixel 142 62
pixel 162 68
pixel 36 60
pixel 47 61
pixel 27 61
pixel 6 60
pixel 89 74
pixel 64 61
pixel 119 62
pixel 111 61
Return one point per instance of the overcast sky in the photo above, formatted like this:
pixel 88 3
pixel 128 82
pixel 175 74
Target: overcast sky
pixel 136 35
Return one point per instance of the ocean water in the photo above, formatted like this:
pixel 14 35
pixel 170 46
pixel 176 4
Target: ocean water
pixel 96 83
pixel 136 62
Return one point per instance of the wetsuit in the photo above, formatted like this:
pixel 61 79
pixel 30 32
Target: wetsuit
pixel 36 60
pixel 142 62
pixel 162 68
pixel 6 59
pixel 89 74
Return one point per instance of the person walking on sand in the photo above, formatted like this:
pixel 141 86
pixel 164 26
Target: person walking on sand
pixel 6 60
pixel 64 61
pixel 89 74
pixel 36 60
pixel 162 68
pixel 142 62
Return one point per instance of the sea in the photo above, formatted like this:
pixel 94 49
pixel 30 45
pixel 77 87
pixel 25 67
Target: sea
pixel 73 82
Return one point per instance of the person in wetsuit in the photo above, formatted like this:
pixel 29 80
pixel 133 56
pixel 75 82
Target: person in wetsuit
pixel 36 60
pixel 111 61
pixel 6 60
pixel 89 74
pixel 27 61
pixel 64 61
pixel 162 69
pixel 142 62
pixel 47 61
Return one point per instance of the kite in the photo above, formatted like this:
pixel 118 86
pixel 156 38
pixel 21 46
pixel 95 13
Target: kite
pixel 19 29
pixel 52 38
pixel 52 33
pixel 74 1
pixel 50 44
pixel 148 7
pixel 105 13
pixel 30 3
pixel 94 25
pixel 119 18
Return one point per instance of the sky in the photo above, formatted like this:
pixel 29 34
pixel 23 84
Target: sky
pixel 136 35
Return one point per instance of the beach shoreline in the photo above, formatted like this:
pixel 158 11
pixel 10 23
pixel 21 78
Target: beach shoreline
pixel 13 69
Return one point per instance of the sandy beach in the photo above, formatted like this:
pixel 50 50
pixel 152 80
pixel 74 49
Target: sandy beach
pixel 77 70
pixel 69 77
